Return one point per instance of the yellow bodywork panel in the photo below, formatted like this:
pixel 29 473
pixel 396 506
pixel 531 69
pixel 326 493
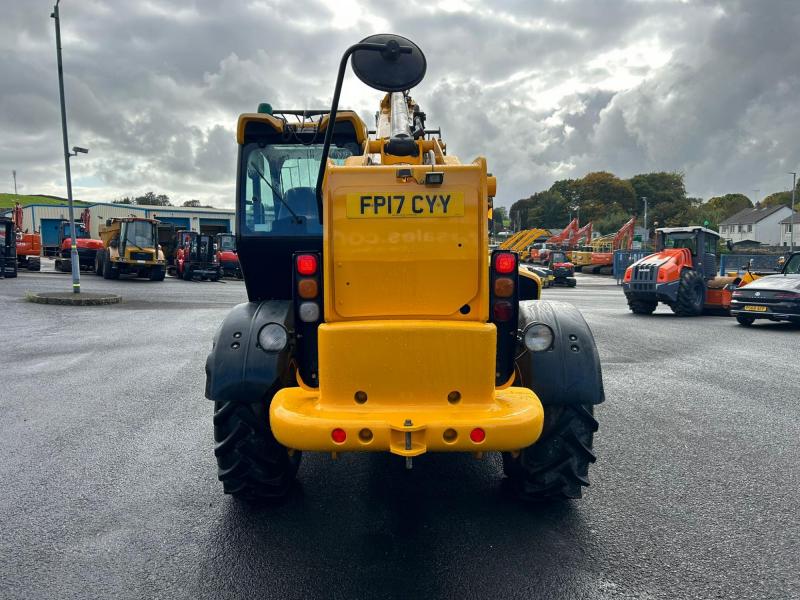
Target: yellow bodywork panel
pixel 581 258
pixel 414 386
pixel 397 248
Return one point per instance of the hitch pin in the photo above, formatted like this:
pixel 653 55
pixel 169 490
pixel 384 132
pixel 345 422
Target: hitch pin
pixel 409 460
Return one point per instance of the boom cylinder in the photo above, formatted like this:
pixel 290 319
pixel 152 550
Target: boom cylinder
pixel 400 120
pixel 401 142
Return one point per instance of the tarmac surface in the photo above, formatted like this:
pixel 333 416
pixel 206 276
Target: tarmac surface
pixel 110 490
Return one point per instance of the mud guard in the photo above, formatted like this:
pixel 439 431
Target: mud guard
pixel 237 369
pixel 568 373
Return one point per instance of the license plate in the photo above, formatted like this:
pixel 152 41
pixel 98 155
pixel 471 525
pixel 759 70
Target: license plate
pixel 141 261
pixel 756 308
pixel 428 204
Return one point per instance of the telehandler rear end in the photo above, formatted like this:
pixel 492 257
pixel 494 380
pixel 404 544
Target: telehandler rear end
pixel 377 321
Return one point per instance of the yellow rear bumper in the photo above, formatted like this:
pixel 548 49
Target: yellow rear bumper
pixel 406 387
pixel 513 420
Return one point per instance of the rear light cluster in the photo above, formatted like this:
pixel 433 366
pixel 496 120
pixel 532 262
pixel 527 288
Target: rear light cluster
pixel 307 281
pixel 504 308
pixel 307 312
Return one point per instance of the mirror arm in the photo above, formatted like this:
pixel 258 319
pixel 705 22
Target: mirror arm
pixel 384 48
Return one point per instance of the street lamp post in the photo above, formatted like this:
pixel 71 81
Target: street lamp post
pixel 791 216
pixel 646 231
pixel 76 272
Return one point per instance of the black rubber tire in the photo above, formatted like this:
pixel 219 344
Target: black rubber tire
pixel 745 320
pixel 108 271
pixel 571 282
pixel 34 264
pixel 98 264
pixel 642 307
pixel 187 273
pixel 691 294
pixel 157 274
pixel 556 467
pixel 252 465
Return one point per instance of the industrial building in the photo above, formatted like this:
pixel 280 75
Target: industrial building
pixel 45 218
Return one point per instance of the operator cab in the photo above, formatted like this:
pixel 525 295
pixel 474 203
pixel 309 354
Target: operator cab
pixel 277 212
pixel 80 231
pixel 701 242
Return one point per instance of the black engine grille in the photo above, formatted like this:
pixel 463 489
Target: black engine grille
pixel 141 256
pixel 644 278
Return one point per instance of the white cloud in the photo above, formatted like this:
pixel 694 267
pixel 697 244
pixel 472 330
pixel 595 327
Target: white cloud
pixel 546 90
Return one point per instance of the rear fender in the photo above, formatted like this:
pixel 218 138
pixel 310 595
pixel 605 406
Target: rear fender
pixel 568 373
pixel 236 368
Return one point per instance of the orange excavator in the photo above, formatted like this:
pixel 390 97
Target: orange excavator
pixel 29 245
pixel 602 260
pixel 539 252
pixel 577 246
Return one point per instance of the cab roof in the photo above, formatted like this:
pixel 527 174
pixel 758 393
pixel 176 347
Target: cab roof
pixel 690 229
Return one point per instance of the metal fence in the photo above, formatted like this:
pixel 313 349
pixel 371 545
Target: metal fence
pixel 624 259
pixel 740 262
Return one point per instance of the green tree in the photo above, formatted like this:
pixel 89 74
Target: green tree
pixel 549 210
pixel 667 203
pixel 784 198
pixel 519 213
pixel 499 218
pixel 728 205
pixel 123 200
pixel 601 192
pixel 153 199
pixel 192 203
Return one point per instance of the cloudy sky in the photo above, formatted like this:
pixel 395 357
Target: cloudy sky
pixel 545 89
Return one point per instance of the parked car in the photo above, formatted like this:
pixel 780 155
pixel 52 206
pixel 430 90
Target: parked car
pixel 774 297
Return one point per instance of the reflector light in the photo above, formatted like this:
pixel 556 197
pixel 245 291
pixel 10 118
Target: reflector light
pixel 504 262
pixel 477 435
pixel 306 264
pixel 503 287
pixel 338 435
pixel 503 311
pixel 309 312
pixel 538 337
pixel 307 288
pixel 273 337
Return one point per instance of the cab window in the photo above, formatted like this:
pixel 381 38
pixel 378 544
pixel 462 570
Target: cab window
pixel 279 187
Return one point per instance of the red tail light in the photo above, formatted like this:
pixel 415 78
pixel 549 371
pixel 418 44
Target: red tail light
pixel 306 264
pixel 504 262
pixel 338 435
pixel 477 435
pixel 787 295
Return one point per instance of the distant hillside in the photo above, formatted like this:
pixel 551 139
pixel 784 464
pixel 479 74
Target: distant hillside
pixel 7 200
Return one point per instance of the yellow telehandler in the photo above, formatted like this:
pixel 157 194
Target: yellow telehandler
pixel 377 321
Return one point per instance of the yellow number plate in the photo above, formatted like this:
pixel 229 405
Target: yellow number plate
pixel 756 308
pixel 428 204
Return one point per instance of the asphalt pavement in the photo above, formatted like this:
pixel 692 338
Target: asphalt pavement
pixel 110 490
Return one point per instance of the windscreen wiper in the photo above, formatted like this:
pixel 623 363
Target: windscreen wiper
pixel 297 219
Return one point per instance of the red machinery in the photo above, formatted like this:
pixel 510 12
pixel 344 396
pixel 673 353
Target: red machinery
pixel 554 242
pixel 603 258
pixel 582 234
pixel 29 245
pixel 87 247
pixel 226 255
pixel 196 256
